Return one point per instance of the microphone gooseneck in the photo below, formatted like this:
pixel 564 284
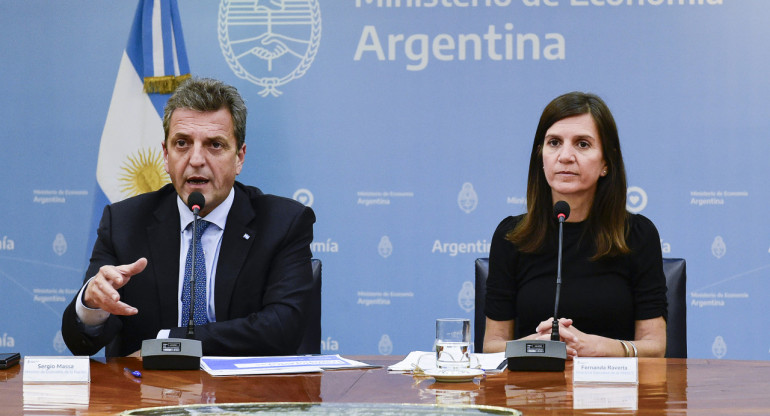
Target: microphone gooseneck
pixel 543 355
pixel 195 201
pixel 179 353
pixel 561 210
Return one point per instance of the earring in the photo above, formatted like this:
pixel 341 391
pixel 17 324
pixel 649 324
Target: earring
pixel 604 172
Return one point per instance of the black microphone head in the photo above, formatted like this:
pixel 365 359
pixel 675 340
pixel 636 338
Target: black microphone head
pixel 561 209
pixel 196 198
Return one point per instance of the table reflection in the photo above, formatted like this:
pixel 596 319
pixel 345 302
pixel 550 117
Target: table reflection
pixel 449 393
pixel 49 397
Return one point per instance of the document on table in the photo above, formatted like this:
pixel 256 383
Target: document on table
pixel 235 366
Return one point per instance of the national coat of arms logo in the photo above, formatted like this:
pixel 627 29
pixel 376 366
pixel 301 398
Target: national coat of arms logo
pixel 269 42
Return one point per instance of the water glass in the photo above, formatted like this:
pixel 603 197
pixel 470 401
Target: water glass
pixel 453 343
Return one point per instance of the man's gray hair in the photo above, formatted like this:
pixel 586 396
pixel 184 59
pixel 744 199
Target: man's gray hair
pixel 207 94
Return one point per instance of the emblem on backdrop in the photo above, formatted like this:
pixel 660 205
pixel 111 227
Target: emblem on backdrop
pixel 59 244
pixel 385 248
pixel 467 297
pixel 719 347
pixel 385 347
pixel 636 199
pixel 58 343
pixel 304 196
pixel 467 198
pixel 718 247
pixel 269 42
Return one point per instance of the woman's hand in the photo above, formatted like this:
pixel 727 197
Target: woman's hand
pixel 650 339
pixel 567 334
pixel 579 344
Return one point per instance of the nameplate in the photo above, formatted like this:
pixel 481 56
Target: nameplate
pixel 605 370
pixel 56 370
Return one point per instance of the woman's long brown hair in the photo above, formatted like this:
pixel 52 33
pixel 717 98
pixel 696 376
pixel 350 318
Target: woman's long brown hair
pixel 607 219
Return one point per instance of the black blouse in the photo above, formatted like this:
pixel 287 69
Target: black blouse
pixel 603 297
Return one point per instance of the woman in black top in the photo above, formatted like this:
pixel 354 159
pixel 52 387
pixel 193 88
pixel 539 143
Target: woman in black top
pixel 613 293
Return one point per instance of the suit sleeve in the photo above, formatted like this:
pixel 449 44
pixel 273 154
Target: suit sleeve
pixel 74 332
pixel 275 325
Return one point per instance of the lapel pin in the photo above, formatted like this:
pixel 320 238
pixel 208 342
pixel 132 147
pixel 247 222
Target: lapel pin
pixel 246 236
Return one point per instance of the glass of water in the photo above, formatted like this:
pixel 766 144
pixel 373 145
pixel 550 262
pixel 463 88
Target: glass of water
pixel 453 343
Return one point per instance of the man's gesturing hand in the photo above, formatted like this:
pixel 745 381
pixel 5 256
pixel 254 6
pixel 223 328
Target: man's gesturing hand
pixel 102 290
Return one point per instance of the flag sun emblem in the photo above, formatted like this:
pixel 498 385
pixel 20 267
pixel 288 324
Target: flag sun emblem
pixel 143 172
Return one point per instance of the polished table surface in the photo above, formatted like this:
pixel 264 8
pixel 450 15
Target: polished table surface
pixel 666 386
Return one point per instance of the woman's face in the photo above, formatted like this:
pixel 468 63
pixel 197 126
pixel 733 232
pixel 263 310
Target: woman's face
pixel 572 159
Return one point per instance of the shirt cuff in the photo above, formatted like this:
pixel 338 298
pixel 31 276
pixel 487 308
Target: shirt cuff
pixel 88 316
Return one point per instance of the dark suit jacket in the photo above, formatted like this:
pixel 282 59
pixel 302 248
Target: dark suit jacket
pixel 263 276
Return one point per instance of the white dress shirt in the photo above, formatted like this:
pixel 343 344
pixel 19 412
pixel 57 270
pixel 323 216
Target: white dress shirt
pixel 211 241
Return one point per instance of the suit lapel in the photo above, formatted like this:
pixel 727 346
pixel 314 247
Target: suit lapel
pixel 164 241
pixel 234 251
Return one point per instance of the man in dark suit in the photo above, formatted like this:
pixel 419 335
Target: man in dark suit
pixel 256 247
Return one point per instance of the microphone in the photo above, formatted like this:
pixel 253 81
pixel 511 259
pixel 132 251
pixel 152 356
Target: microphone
pixel 561 211
pixel 179 353
pixel 195 201
pixel 548 355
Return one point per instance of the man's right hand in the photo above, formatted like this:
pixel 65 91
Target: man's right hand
pixel 102 290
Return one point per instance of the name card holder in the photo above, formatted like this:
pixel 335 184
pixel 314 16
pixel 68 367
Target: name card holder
pixel 605 370
pixel 64 369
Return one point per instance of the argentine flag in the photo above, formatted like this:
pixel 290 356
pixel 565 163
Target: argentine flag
pixel 153 63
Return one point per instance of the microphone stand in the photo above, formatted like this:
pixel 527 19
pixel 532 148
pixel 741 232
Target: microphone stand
pixel 177 353
pixel 191 314
pixel 555 326
pixel 547 355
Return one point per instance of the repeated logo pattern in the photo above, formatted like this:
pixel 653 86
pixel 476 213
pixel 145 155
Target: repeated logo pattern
pixel 304 196
pixel 467 198
pixel 385 248
pixel 718 247
pixel 59 244
pixel 385 347
pixel 719 347
pixel 466 298
pixel 636 199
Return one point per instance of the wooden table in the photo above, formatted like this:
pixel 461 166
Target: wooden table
pixel 667 386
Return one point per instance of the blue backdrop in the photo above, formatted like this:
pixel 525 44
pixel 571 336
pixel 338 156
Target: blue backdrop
pixel 406 124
